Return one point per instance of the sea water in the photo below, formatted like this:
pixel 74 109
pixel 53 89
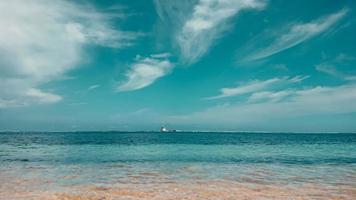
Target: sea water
pixel 112 158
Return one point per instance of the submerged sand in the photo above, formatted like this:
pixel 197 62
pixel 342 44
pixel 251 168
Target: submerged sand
pixel 185 189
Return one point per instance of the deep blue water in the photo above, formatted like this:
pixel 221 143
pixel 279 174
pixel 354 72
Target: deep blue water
pixel 278 157
pixel 142 138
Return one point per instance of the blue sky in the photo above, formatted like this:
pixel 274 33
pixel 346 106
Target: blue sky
pixel 244 65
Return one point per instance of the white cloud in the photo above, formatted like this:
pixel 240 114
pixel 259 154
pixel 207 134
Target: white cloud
pixel 161 55
pixel 269 95
pixel 331 70
pixel 255 86
pixel 318 100
pixel 93 87
pixel 329 67
pixel 297 79
pixel 17 92
pixel 42 40
pixel 297 34
pixel 201 26
pixel 145 70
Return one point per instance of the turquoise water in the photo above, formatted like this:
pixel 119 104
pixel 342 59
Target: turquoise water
pixel 107 157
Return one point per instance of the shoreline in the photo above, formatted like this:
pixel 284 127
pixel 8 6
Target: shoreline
pixel 187 189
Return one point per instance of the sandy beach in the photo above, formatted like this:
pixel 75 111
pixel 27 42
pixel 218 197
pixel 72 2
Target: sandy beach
pixel 37 189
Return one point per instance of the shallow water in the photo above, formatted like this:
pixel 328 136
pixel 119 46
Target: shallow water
pixel 70 165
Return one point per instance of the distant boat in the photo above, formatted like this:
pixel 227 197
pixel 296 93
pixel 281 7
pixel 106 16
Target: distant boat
pixel 164 130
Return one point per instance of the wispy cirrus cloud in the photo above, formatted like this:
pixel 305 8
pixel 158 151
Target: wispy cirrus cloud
pixel 93 87
pixel 254 86
pixel 333 71
pixel 145 71
pixel 270 95
pixel 43 40
pixel 274 115
pixel 330 67
pixel 297 33
pixel 199 23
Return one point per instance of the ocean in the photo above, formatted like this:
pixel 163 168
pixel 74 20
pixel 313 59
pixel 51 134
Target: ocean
pixel 180 165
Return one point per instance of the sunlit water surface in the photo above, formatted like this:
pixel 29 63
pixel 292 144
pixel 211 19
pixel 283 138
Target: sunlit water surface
pixel 59 162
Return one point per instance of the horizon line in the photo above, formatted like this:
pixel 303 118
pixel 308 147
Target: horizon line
pixel 175 131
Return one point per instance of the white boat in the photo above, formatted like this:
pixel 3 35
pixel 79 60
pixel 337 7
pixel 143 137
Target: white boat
pixel 164 130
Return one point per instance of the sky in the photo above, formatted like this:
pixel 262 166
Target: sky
pixel 219 65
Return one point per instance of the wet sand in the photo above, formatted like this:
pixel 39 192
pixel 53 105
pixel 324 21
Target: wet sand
pixel 34 189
